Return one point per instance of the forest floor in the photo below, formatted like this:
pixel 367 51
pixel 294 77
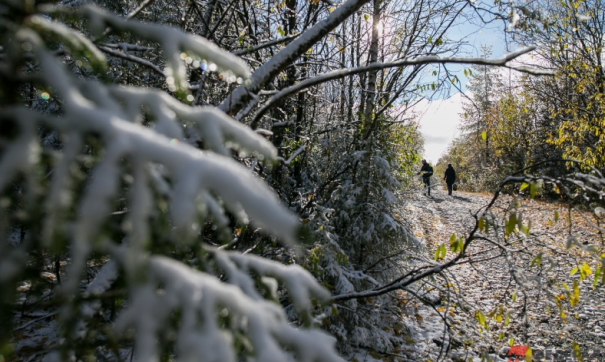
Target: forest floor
pixel 518 300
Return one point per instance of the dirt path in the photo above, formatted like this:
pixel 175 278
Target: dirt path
pixel 499 294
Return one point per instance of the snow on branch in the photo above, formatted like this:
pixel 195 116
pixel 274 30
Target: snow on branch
pixel 209 311
pixel 300 284
pixel 219 320
pixel 342 73
pixel 270 69
pixel 215 126
pixel 173 42
pixel 193 173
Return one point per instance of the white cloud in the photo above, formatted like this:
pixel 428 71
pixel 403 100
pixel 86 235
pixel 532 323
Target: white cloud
pixel 438 121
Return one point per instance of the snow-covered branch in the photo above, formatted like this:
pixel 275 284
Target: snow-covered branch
pixel 298 151
pixel 342 73
pixel 203 301
pixel 173 42
pixel 109 146
pixel 269 70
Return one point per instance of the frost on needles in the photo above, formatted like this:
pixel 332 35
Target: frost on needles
pixel 128 146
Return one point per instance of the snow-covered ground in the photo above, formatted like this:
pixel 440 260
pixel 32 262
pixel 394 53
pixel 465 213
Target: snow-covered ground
pixel 528 315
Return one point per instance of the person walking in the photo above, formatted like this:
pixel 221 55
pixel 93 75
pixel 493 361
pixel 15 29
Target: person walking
pixel 427 172
pixel 450 178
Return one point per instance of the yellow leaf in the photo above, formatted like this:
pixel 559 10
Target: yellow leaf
pixel 529 355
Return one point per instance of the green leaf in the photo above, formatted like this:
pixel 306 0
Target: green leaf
pixel 439 42
pixel 598 273
pixel 484 135
pixel 556 216
pixel 532 190
pixel 576 351
pixel 366 17
pixel 441 252
pixel 510 224
pixel 465 73
pixel 430 40
pixel 514 297
pixel 575 298
pixel 573 271
pixel 481 222
pixel 537 260
pixel 523 186
pixel 511 341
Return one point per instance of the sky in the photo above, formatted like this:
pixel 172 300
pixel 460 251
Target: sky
pixel 438 121
pixel 439 118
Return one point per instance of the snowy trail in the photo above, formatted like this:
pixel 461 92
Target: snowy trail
pixel 487 286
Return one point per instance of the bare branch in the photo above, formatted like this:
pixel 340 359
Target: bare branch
pixel 265 45
pixel 133 59
pixel 136 11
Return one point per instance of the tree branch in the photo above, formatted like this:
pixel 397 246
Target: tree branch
pixel 338 74
pixel 237 99
pixel 133 59
pixel 136 11
pixel 265 45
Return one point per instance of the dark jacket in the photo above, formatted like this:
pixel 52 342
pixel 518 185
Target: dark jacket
pixel 450 175
pixel 426 170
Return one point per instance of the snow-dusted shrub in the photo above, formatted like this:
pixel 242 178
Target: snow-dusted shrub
pixel 104 184
pixel 362 241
